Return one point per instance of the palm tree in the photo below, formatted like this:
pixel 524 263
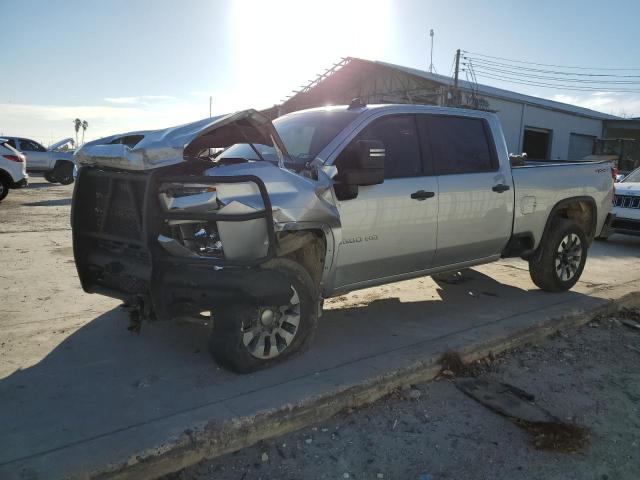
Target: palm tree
pixel 77 123
pixel 85 125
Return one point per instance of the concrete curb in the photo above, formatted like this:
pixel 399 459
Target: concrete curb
pixel 215 438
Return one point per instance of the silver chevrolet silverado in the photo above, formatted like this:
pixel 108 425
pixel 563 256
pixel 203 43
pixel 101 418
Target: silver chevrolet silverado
pixel 248 225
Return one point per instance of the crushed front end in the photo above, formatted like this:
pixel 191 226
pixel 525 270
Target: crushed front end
pixel 168 245
pixel 173 233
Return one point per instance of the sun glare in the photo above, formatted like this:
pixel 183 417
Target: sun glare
pixel 288 42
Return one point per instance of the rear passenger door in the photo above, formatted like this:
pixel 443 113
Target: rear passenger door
pixel 475 192
pixel 390 228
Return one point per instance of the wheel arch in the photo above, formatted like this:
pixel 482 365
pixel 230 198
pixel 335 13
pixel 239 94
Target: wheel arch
pixel 310 245
pixel 6 176
pixel 581 209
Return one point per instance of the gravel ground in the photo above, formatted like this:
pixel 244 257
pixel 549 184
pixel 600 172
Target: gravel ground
pixel 588 376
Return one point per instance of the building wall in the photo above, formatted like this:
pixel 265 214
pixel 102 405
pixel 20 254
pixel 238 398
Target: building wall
pixel 515 116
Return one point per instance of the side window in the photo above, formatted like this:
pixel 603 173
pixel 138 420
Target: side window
pixel 400 139
pixel 459 145
pixel 30 146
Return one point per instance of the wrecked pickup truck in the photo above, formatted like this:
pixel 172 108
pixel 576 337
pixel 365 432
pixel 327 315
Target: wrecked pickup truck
pixel 248 225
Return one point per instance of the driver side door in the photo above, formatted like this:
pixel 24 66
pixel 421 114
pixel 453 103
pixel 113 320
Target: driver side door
pixel 38 158
pixel 389 229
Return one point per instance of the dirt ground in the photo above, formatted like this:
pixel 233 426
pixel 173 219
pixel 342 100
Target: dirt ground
pixel 61 347
pixel 588 377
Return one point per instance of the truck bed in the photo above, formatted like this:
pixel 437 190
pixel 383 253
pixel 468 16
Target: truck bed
pixel 540 186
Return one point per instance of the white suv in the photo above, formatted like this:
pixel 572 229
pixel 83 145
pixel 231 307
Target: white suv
pixel 13 168
pixel 56 164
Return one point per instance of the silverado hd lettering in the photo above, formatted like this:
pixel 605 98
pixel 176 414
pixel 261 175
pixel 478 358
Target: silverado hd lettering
pixel 248 225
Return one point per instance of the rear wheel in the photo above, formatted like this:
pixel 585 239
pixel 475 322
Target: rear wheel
pixel 63 173
pixel 558 264
pixel 246 338
pixel 4 188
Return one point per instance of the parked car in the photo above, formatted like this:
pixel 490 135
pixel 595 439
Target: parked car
pixel 56 163
pixel 316 204
pixel 13 172
pixel 626 206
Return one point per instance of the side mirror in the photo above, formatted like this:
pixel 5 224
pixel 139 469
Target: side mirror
pixel 363 165
pixel 367 167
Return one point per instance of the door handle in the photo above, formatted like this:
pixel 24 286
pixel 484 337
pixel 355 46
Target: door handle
pixel 501 187
pixel 422 195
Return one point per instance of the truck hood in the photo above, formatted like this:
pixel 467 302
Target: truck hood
pixel 150 149
pixel 59 144
pixel 631 188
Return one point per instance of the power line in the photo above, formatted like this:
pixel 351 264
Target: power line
pixel 549 64
pixel 547 77
pixel 556 86
pixel 481 61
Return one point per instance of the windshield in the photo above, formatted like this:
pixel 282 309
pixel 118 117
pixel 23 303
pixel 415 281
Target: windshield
pixel 633 176
pixel 304 135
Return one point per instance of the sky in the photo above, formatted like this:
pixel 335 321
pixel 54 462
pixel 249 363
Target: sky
pixel 143 64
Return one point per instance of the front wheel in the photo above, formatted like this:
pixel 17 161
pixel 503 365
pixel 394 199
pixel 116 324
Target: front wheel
pixel 558 264
pixel 246 338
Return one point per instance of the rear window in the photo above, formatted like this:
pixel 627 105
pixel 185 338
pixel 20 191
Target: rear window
pixel 459 145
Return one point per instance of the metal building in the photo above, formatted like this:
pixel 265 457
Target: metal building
pixel 545 129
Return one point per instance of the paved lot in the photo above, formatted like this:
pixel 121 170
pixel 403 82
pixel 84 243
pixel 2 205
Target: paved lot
pixel 587 376
pixel 80 392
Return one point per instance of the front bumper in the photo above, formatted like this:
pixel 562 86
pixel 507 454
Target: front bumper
pixel 116 222
pixel 627 226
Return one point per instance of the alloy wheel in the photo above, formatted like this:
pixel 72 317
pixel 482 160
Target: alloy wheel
pixel 274 329
pixel 568 257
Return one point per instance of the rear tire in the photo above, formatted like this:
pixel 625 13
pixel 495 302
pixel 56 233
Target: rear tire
pixel 561 256
pixel 4 188
pixel 239 335
pixel 49 177
pixel 63 173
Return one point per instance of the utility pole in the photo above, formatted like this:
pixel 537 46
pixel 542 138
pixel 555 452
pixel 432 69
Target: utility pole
pixel 210 102
pixel 455 81
pixel 431 67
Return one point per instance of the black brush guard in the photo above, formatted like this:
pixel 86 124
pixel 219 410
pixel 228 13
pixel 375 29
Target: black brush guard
pixel 116 219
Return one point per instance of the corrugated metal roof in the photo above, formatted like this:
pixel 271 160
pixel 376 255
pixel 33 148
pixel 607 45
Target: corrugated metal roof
pixel 499 92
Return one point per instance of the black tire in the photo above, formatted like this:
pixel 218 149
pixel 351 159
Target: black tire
pixel 232 323
pixel 63 173
pixel 555 266
pixel 4 187
pixel 49 177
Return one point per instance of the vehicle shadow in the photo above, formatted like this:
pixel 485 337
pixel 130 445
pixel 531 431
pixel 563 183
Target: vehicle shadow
pixel 616 245
pixel 49 203
pixel 42 185
pixel 103 378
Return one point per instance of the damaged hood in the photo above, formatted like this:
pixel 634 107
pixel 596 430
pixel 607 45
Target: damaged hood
pixel 150 149
pixel 627 188
pixel 59 144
